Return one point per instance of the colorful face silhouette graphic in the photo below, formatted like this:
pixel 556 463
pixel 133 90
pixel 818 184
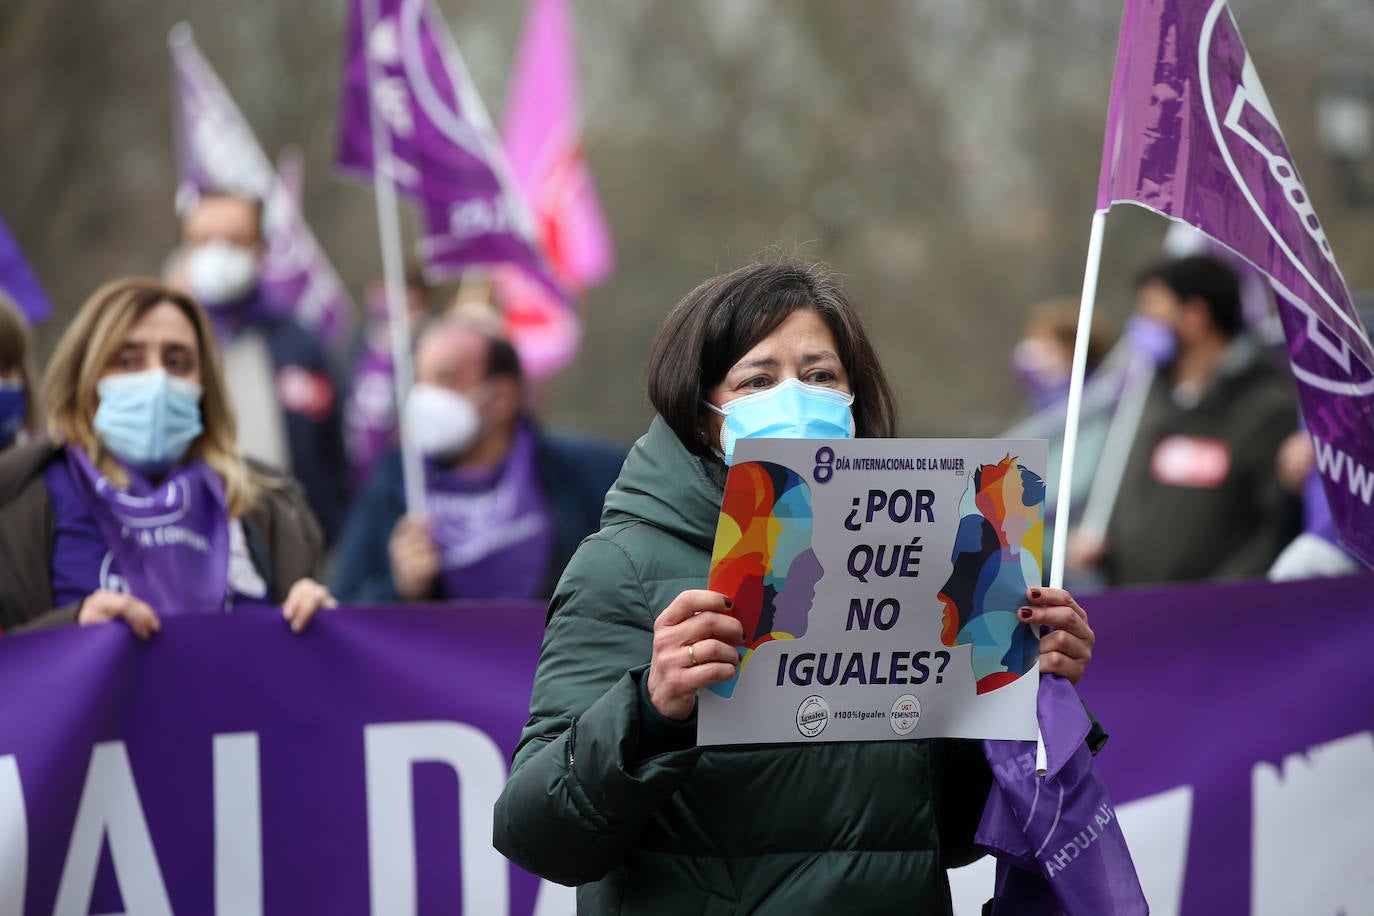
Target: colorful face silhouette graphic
pixel 996 558
pixel 763 558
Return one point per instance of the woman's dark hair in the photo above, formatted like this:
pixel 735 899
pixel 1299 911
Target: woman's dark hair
pixel 1201 277
pixel 727 316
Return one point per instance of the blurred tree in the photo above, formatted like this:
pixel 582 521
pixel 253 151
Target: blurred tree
pixel 942 155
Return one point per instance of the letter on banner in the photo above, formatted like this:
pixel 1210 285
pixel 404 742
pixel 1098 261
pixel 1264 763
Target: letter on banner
pixel 110 808
pixel 14 837
pixel 390 752
pixel 238 825
pixel 1314 819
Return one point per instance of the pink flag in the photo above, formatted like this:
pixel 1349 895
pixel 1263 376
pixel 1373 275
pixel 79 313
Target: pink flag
pixel 1192 136
pixel 543 137
pixel 217 149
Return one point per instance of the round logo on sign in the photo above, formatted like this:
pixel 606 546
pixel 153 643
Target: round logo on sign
pixel 906 712
pixel 812 716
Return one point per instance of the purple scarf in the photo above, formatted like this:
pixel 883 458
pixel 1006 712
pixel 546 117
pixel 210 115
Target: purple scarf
pixel 170 541
pixel 254 309
pixel 493 529
pixel 1058 843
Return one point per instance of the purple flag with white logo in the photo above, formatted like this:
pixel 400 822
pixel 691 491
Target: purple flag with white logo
pixel 1192 136
pixel 17 279
pixel 1057 840
pixel 434 140
pixel 216 149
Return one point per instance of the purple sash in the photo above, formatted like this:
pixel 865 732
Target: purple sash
pixel 170 541
pixel 1058 843
pixel 493 530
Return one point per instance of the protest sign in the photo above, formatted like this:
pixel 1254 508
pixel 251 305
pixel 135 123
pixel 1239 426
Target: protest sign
pixel 878 581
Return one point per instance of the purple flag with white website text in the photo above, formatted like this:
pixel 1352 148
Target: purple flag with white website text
pixel 1192 136
pixel 216 149
pixel 433 138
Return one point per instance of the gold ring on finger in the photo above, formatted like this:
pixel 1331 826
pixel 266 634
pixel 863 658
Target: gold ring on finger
pixel 691 654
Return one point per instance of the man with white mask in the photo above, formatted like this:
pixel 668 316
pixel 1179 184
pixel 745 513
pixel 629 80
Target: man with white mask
pixel 277 371
pixel 505 502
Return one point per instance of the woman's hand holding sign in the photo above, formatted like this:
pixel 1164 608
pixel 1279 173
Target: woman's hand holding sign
pixel 1066 649
pixel 694 647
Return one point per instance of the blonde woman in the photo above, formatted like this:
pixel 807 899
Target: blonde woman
pixel 137 505
pixel 17 414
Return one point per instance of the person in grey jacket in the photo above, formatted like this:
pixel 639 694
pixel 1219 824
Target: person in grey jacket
pixel 608 789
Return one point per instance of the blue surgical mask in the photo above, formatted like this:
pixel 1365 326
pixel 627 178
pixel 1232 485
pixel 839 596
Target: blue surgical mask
pixel 148 419
pixel 791 410
pixel 13 409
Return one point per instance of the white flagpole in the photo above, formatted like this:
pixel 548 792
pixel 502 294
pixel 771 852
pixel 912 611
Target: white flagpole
pixel 1079 372
pixel 1111 468
pixel 393 276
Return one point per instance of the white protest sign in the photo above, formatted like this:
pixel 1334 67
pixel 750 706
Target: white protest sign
pixel 879 581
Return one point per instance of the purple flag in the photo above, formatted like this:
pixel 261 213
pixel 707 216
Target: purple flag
pixel 1057 839
pixel 1192 136
pixel 17 279
pixel 216 149
pixel 439 147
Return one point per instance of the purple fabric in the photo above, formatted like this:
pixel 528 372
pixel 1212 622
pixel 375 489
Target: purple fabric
pixel 402 67
pixel 170 541
pixel 1191 135
pixel 81 563
pixel 494 530
pixel 19 281
pixel 256 308
pixel 1267 671
pixel 216 149
pixel 310 701
pixel 1061 828
pixel 370 415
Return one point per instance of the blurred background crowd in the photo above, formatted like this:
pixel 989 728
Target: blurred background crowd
pixel 942 157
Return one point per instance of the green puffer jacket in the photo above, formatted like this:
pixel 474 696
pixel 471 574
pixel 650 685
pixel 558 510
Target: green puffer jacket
pixel 606 795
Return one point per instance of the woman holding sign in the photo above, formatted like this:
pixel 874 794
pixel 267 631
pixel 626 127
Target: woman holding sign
pixel 608 789
pixel 139 506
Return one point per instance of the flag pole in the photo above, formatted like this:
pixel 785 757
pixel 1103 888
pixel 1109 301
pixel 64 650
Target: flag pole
pixel 393 278
pixel 1079 372
pixel 1111 468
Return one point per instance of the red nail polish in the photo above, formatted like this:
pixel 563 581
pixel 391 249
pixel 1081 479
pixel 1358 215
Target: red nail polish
pixel 1024 613
pixel 729 604
pixel 1035 593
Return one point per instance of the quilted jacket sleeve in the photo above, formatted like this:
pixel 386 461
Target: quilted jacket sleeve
pixel 578 795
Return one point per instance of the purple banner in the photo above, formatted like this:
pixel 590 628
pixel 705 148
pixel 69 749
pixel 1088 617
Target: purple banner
pixel 18 280
pixel 216 149
pixel 407 102
pixel 230 767
pixel 1191 135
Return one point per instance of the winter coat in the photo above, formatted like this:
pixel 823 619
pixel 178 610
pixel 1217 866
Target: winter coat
pixel 283 537
pixel 606 794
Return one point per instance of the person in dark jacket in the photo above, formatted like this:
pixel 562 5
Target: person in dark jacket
pixel 290 415
pixel 139 506
pixel 607 789
pixel 1200 493
pixel 506 503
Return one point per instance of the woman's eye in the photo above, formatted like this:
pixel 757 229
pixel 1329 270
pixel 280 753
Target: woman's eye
pixel 758 381
pixel 821 377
